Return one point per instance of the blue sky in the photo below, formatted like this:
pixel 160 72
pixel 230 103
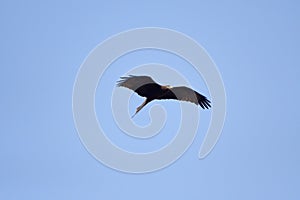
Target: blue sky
pixel 255 46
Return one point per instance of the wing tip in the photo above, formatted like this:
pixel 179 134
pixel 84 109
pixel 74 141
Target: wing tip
pixel 122 80
pixel 205 103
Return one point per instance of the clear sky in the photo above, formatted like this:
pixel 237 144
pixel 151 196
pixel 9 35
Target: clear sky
pixel 255 45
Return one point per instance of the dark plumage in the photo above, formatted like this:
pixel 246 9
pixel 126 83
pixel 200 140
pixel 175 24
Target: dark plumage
pixel 145 86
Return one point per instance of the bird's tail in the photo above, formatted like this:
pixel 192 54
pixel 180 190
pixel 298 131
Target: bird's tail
pixel 140 108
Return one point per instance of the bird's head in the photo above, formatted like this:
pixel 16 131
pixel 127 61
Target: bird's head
pixel 164 87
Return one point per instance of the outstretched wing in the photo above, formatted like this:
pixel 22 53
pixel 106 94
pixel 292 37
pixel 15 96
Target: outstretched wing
pixel 145 86
pixel 186 94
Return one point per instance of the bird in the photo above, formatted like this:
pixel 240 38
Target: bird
pixel 145 86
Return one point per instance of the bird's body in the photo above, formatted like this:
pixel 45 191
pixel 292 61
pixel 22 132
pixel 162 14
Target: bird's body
pixel 145 86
